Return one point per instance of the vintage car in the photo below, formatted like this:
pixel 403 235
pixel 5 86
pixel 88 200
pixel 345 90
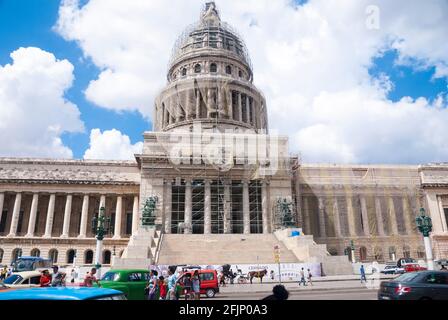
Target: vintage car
pixel 23 279
pixel 62 293
pixel 131 282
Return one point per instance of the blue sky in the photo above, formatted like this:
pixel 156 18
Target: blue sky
pixel 30 23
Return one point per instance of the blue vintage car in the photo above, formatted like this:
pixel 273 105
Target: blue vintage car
pixel 62 293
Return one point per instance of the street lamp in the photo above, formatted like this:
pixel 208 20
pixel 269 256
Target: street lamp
pixel 424 225
pixel 100 227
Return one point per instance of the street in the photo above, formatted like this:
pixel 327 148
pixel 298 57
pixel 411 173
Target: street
pixel 324 294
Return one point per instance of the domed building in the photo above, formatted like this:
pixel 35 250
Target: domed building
pixel 213 185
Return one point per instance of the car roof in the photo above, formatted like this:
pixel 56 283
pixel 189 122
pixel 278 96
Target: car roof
pixel 26 274
pixel 31 258
pixel 58 293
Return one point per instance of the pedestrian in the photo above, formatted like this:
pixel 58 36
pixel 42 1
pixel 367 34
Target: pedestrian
pixel 363 273
pixel 310 281
pixel 73 276
pixel 152 285
pixel 279 292
pixel 45 279
pixel 3 274
pixel 196 285
pixel 172 284
pixel 272 275
pixel 187 286
pixel 163 288
pixel 222 279
pixel 302 278
pixel 90 278
pixel 9 273
pixel 58 277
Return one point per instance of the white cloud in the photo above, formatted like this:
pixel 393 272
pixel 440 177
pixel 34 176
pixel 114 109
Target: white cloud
pixel 33 110
pixel 111 145
pixel 311 62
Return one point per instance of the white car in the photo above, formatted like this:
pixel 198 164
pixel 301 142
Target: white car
pixel 23 279
pixel 391 269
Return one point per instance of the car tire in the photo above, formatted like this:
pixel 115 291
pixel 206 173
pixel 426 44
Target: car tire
pixel 210 293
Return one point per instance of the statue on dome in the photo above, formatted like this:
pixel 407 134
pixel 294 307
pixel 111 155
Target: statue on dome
pixel 211 15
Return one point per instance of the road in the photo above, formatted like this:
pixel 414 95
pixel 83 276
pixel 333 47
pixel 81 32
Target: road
pixel 331 294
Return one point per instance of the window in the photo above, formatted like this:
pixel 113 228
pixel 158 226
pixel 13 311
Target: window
pixel 35 253
pixel 16 253
pixel 106 257
pixel 3 221
pixel 184 72
pixel 88 257
pixel 1 255
pixel 229 70
pixel 421 254
pixel 53 255
pixel 436 278
pixel 13 279
pixel 128 223
pixel 135 277
pixel 197 68
pixel 363 253
pixel 20 222
pixel 213 67
pixel 36 224
pixel 406 252
pixel 111 276
pixel 378 254
pixel 445 210
pixel 240 74
pixel 70 256
pixel 35 280
pixel 206 276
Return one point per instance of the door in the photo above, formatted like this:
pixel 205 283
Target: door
pixel 136 289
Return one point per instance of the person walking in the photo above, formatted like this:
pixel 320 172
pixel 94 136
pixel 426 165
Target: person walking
pixel 302 278
pixel 152 285
pixel 58 277
pixel 196 285
pixel 309 276
pixel 172 284
pixel 362 271
pixel 222 279
pixel 45 279
pixel 73 276
pixel 272 275
pixel 163 288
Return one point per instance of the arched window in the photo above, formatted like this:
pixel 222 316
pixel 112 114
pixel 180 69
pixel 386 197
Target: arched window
pixel 88 257
pixel 197 68
pixel 53 255
pixel 421 254
pixel 392 254
pixel 363 253
pixel 213 67
pixel 1 255
pixel 406 252
pixel 70 256
pixel 229 70
pixel 16 253
pixel 184 72
pixel 35 252
pixel 378 252
pixel 106 257
pixel 240 74
pixel 348 253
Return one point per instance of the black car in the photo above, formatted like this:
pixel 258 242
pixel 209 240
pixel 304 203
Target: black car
pixel 422 285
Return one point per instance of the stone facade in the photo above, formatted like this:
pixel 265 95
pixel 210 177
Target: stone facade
pixel 46 206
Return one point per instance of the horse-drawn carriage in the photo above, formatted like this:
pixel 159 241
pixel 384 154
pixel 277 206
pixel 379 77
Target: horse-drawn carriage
pixel 241 278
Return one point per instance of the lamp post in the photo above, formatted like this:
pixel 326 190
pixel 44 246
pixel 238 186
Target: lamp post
pixel 100 227
pixel 424 225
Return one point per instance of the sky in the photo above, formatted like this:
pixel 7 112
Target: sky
pixel 348 81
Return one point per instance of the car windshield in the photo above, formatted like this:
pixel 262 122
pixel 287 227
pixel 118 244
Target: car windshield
pixel 23 265
pixel 111 276
pixel 407 277
pixel 13 279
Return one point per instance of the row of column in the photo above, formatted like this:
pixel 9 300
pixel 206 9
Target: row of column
pixel 67 215
pixel 351 217
pixel 227 221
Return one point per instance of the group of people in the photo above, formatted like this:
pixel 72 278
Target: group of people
pixel 307 278
pixel 5 273
pixel 58 278
pixel 161 288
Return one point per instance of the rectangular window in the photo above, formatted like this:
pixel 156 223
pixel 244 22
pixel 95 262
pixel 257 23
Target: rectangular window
pixel 129 223
pixel 36 224
pixel 20 222
pixel 3 221
pixel 445 210
pixel 112 223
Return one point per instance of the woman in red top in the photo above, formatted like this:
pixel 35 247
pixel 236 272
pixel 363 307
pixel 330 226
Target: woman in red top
pixel 45 279
pixel 163 289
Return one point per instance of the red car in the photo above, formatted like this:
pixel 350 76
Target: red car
pixel 412 267
pixel 209 281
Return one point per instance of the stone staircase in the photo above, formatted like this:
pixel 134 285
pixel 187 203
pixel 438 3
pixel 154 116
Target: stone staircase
pixel 218 249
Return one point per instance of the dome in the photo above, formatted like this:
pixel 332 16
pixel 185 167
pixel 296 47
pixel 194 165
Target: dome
pixel 210 33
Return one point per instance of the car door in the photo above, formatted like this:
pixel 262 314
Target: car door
pixel 134 284
pixel 440 286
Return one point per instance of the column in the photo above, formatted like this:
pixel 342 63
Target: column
pixel 84 217
pixel 351 217
pixel 246 207
pixel 393 218
pixel 188 219
pixel 442 214
pixel 168 206
pixel 337 221
pixel 135 215
pixel 198 104
pixel 306 216
pixel 50 216
pixel 2 201
pixel 248 109
pixel 15 215
pixel 227 228
pixel 33 213
pixel 240 107
pixel 322 231
pixel 365 217
pixel 379 217
pixel 264 206
pixel 102 202
pixel 118 214
pixel 67 214
pixel 229 103
pixel 207 208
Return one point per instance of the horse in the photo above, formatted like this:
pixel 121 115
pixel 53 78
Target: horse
pixel 257 274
